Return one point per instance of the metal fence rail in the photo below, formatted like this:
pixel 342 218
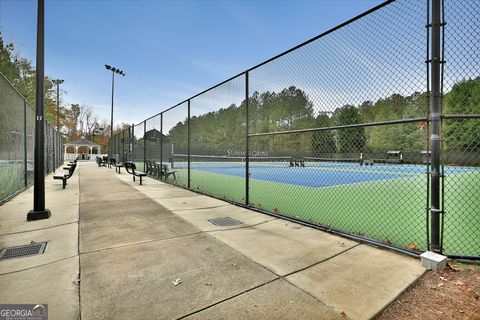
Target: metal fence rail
pixel 17 130
pixel 369 130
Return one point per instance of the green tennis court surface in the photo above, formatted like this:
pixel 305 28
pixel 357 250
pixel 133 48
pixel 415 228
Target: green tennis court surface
pixel 383 202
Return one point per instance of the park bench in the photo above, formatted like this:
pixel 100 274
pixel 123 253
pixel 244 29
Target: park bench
pixel 101 162
pixel 111 162
pixel 367 162
pixel 71 163
pixel 297 162
pixel 132 169
pixel 65 176
pixel 150 168
pixel 118 166
pixel 164 171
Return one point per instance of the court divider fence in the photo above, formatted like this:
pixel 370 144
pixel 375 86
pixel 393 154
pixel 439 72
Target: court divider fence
pixel 17 141
pixel 370 130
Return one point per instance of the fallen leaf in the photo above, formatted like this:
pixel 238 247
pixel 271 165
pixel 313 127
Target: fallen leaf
pixel 208 284
pixel 440 285
pixel 453 267
pixel 343 314
pixel 412 246
pixel 32 242
pixel 443 279
pixel 76 282
pixel 176 282
pixel 388 241
pixel 463 286
pixel 274 210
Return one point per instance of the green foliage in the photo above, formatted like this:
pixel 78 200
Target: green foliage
pixel 323 142
pixel 405 137
pixel 8 61
pixel 464 98
pixel 350 140
pixel 20 73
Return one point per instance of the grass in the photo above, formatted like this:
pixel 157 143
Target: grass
pixel 392 211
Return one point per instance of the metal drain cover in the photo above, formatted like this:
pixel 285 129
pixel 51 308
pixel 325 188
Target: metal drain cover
pixel 224 222
pixel 22 251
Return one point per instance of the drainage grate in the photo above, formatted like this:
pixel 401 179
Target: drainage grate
pixel 224 222
pixel 22 251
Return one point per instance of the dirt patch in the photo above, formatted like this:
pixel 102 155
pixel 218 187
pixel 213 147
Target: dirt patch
pixel 453 293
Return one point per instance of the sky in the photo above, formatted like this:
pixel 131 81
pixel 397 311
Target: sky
pixel 169 50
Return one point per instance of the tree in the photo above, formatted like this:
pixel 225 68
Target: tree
pixel 350 140
pixel 8 65
pixel 464 98
pixel 405 136
pixel 323 142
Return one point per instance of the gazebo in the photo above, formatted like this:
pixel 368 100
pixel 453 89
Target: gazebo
pixel 81 143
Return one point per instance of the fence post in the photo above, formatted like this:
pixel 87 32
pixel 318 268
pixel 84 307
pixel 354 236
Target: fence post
pixel 123 145
pixel 161 143
pixel 25 149
pixel 144 146
pixel 247 145
pixel 132 143
pixel 435 138
pixel 189 132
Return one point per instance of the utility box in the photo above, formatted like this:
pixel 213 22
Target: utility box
pixel 433 261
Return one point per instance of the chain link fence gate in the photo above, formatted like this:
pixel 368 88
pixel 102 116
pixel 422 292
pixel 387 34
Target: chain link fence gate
pixel 17 130
pixel 336 132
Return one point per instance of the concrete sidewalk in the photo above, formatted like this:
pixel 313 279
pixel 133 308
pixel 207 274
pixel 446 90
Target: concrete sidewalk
pixel 136 241
pixel 286 270
pixel 50 278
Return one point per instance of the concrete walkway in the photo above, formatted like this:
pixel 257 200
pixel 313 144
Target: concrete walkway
pixel 50 278
pixel 136 241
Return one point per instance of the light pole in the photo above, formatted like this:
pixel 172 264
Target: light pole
pixel 97 131
pixel 120 72
pixel 57 82
pixel 39 211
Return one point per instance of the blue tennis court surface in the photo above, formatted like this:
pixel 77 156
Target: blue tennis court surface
pixel 324 175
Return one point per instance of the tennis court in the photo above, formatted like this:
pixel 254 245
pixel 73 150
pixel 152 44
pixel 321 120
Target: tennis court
pixel 316 174
pixel 381 201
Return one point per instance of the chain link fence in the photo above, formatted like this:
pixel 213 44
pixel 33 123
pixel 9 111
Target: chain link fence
pixel 336 132
pixel 461 128
pixel 17 130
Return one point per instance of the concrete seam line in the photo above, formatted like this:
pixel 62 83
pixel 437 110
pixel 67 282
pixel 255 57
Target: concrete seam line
pixel 241 254
pixel 321 261
pixel 229 298
pixel 116 201
pixel 240 227
pixel 58 225
pixel 311 295
pixel 141 242
pixel 51 207
pixel 40 265
pixel 204 208
pixel 303 269
pixel 195 195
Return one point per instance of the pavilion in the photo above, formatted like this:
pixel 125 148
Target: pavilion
pixel 81 145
